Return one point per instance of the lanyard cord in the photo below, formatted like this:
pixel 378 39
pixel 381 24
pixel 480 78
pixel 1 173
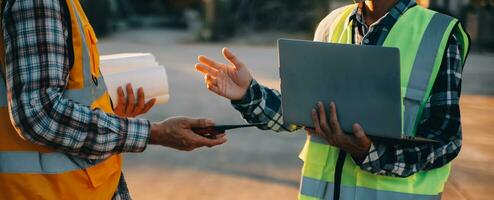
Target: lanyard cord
pixel 338 174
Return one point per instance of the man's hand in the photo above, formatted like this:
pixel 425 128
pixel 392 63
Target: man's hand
pixel 357 144
pixel 127 107
pixel 227 80
pixel 176 133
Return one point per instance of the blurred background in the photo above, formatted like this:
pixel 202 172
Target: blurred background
pixel 256 164
pixel 219 20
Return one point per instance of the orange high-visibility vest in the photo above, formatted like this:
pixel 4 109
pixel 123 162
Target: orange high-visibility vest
pixel 30 171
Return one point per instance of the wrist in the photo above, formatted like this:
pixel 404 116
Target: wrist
pixel 359 157
pixel 242 93
pixel 360 154
pixel 156 130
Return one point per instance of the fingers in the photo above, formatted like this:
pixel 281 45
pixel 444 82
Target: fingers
pixel 122 101
pixel 206 69
pixel 327 135
pixel 199 123
pixel 210 80
pixel 202 141
pixel 220 135
pixel 210 62
pixel 130 99
pixel 212 84
pixel 322 118
pixel 149 105
pixel 232 58
pixel 197 140
pixel 214 88
pixel 140 102
pixel 333 121
pixel 315 120
pixel 209 77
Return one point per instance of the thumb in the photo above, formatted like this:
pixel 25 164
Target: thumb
pixel 200 123
pixel 232 58
pixel 359 133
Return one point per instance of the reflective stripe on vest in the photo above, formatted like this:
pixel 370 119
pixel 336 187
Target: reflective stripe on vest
pixel 422 70
pixel 324 190
pixel 421 35
pixel 319 175
pixel 27 162
pixel 90 92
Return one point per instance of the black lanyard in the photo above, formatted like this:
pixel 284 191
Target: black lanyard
pixel 338 174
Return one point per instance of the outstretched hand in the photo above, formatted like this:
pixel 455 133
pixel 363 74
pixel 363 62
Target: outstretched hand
pixel 177 133
pixel 228 80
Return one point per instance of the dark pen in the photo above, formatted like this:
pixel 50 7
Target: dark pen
pixel 213 131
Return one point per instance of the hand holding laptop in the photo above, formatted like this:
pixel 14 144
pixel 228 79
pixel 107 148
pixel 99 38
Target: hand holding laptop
pixel 357 144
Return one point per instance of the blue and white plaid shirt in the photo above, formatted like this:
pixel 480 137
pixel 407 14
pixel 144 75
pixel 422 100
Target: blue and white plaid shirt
pixel 440 119
pixel 38 61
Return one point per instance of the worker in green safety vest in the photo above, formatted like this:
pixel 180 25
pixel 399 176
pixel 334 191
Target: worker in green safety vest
pixel 433 49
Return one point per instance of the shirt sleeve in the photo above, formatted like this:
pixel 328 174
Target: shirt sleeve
pixel 263 105
pixel 440 121
pixel 37 67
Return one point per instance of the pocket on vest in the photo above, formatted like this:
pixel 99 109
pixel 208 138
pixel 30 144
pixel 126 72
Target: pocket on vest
pixel 100 173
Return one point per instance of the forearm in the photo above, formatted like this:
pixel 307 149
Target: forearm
pixel 405 160
pixel 48 119
pixel 263 105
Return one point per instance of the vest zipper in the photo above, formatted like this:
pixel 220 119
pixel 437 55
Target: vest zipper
pixel 338 173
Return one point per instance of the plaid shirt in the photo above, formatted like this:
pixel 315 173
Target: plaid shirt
pixel 440 119
pixel 38 61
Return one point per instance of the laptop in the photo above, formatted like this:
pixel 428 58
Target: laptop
pixel 363 81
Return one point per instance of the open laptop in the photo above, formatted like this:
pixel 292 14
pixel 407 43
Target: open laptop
pixel 363 81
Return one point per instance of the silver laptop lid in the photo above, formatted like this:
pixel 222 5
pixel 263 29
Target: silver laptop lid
pixel 363 81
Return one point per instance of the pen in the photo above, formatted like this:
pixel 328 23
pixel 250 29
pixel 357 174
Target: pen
pixel 213 131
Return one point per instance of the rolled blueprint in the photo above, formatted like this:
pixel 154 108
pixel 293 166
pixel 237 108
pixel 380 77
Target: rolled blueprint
pixel 141 70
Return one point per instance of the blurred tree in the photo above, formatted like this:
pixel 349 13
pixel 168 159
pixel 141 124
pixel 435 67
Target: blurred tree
pixel 218 20
pixel 184 4
pixel 99 14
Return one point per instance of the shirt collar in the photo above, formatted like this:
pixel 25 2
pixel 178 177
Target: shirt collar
pixel 398 9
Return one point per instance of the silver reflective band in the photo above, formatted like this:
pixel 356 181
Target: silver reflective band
pixel 316 188
pixel 324 190
pixel 87 95
pixel 423 68
pixel 39 163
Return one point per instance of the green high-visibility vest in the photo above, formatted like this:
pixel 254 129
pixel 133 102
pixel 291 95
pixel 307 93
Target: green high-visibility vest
pixel 421 36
